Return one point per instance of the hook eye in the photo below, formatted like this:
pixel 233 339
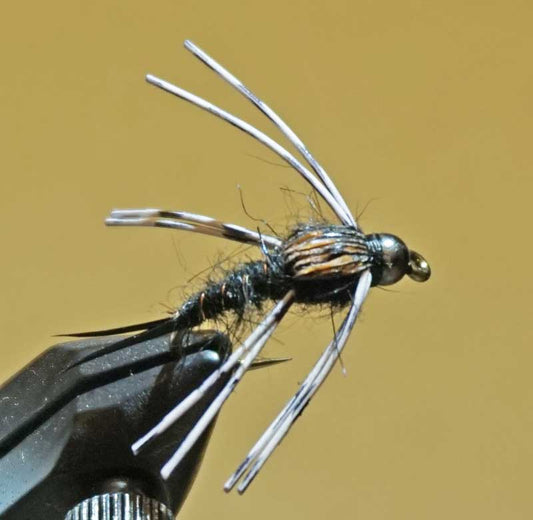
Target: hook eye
pixel 418 269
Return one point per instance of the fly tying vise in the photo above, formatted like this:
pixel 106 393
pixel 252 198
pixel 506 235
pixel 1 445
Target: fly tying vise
pixel 316 264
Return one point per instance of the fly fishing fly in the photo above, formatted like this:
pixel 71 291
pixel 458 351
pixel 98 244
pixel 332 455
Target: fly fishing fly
pixel 321 263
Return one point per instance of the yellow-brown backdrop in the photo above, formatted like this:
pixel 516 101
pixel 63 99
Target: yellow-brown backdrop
pixel 422 108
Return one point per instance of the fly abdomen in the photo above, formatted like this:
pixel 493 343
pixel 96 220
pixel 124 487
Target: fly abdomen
pixel 250 284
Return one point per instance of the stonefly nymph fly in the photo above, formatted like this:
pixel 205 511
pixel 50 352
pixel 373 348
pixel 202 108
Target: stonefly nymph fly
pixel 332 264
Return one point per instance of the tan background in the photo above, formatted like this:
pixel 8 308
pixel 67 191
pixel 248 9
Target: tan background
pixel 422 108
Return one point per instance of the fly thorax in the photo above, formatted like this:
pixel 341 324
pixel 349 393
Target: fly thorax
pixel 325 252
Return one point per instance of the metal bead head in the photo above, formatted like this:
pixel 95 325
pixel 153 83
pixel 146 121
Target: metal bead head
pixel 393 259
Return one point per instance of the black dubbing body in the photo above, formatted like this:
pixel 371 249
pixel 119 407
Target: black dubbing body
pixel 249 284
pixel 321 263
